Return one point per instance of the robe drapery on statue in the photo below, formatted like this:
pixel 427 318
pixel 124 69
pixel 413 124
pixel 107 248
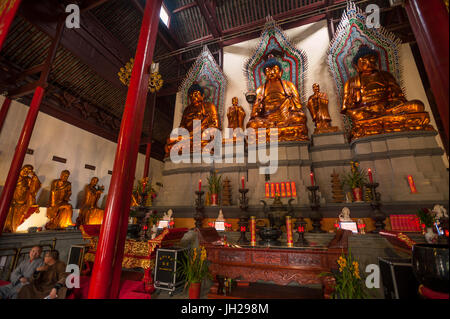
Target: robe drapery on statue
pixel 59 211
pixel 24 199
pixel 90 214
pixel 43 282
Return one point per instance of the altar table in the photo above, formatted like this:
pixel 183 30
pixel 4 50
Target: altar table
pixel 280 265
pixel 137 254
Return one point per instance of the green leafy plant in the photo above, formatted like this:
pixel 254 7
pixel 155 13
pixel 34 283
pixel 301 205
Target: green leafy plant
pixel 349 284
pixel 426 217
pixel 356 178
pixel 214 183
pixel 195 265
pixel 144 193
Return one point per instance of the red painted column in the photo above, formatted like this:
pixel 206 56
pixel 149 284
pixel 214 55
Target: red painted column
pixel 19 155
pixel 148 151
pixel 6 17
pixel 4 111
pixel 147 159
pixel 107 267
pixel 430 24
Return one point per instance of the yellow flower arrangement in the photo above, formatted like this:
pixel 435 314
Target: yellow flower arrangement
pixel 349 284
pixel 195 265
pixel 155 81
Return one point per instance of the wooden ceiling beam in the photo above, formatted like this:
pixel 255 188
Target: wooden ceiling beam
pixel 208 11
pixel 91 4
pixel 185 7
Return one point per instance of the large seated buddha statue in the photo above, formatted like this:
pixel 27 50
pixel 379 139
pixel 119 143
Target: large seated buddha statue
pixel 278 105
pixel 198 109
pixel 375 102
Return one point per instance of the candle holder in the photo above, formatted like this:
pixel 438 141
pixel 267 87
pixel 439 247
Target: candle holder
pixel 377 215
pixel 199 209
pixel 243 219
pixel 316 216
pixel 300 226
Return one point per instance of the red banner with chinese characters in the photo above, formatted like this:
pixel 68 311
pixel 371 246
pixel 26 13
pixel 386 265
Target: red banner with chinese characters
pixel 252 231
pixel 277 189
pixel 8 10
pixel 272 190
pixel 267 189
pixel 412 186
pixel 290 240
pixel 283 189
pixel 294 190
pixel 288 189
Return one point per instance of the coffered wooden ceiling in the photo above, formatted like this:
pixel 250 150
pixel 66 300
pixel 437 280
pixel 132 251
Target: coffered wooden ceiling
pixel 84 88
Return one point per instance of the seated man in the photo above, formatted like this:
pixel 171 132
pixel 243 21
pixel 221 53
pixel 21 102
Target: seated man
pixel 278 105
pixel 22 274
pixel 48 280
pixel 198 109
pixel 375 102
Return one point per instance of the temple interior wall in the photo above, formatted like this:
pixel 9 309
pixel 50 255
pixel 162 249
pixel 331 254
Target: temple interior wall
pixel 55 137
pixel 313 39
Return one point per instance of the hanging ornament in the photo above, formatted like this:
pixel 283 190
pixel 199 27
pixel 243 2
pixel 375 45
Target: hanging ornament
pixel 155 81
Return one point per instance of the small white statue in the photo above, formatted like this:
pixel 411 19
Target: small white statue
pixel 168 215
pixel 220 218
pixel 344 216
pixel 440 211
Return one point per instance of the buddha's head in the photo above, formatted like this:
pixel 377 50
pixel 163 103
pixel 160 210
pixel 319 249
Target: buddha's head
pixel 272 69
pixel 196 93
pixel 26 170
pixel 316 88
pixel 234 101
pixel 65 175
pixel 366 60
pixel 94 181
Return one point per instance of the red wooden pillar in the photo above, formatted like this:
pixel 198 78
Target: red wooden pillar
pixel 108 260
pixel 8 12
pixel 429 22
pixel 19 155
pixel 148 151
pixel 4 111
pixel 27 130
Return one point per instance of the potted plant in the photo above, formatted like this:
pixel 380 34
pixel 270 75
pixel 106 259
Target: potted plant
pixel 356 180
pixel 348 282
pixel 214 187
pixel 426 218
pixel 195 268
pixel 144 193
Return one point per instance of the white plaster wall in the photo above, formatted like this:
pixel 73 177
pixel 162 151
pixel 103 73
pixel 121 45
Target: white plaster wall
pixel 413 87
pixel 54 137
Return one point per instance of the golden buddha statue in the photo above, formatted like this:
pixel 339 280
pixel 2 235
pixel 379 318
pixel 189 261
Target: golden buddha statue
pixel 236 115
pixel 90 214
pixel 198 109
pixel 59 211
pixel 318 107
pixel 375 102
pixel 278 105
pixel 24 198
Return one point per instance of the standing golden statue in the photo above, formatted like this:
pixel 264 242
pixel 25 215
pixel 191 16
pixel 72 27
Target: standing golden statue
pixel 236 115
pixel 59 211
pixel 198 109
pixel 375 102
pixel 90 213
pixel 24 198
pixel 318 107
pixel 278 106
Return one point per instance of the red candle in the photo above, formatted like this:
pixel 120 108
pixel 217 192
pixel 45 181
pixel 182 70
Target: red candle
pixel 369 171
pixel 290 241
pixel 312 178
pixel 252 231
pixel 243 182
pixel 199 185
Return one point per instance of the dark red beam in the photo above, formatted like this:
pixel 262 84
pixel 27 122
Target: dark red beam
pixel 185 7
pixel 208 12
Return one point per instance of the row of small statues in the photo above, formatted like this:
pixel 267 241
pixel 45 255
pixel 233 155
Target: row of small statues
pixel 373 100
pixel 59 211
